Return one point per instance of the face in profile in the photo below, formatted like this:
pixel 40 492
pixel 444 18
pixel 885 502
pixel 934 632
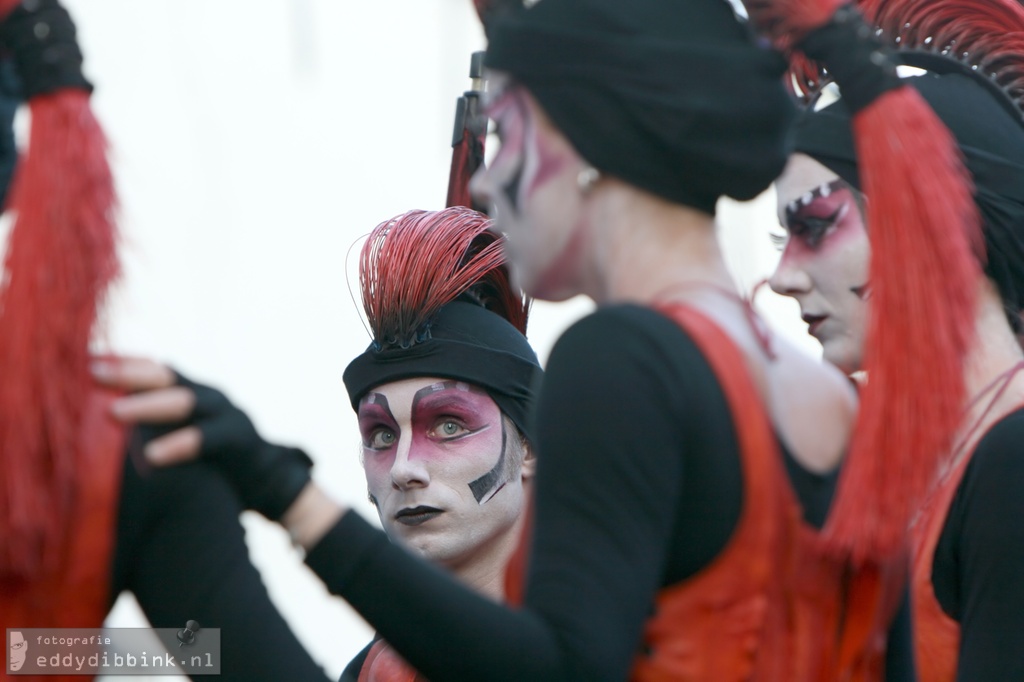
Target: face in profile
pixel 531 189
pixel 19 650
pixel 443 468
pixel 825 258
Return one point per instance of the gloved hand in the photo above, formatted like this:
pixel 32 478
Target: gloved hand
pixel 165 406
pixel 267 477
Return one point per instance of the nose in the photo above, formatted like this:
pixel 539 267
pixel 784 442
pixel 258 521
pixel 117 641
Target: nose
pixel 408 471
pixel 789 279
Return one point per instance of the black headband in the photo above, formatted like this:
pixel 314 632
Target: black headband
pixel 465 342
pixel 672 97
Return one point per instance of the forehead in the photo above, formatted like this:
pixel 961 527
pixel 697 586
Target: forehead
pixel 802 174
pixel 418 389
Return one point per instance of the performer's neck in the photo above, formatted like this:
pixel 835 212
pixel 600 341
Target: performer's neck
pixel 647 244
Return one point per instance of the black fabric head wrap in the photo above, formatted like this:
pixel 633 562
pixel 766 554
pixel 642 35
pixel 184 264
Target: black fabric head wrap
pixel 991 138
pixel 466 342
pixel 673 97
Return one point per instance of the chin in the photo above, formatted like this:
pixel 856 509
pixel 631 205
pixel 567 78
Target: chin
pixel 551 286
pixel 847 362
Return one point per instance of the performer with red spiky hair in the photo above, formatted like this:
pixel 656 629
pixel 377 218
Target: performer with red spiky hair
pixel 968 600
pixel 81 520
pixel 686 456
pixel 443 396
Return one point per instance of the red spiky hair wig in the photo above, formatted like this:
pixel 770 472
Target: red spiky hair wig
pixel 60 260
pixel 439 302
pixel 413 265
pixel 983 36
pixel 924 275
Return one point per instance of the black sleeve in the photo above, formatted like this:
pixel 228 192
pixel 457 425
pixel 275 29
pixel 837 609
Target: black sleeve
pixel 979 559
pixel 181 550
pixel 899 653
pixel 614 419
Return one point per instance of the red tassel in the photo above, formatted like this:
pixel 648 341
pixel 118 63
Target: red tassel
pixel 925 234
pixel 989 32
pixel 925 237
pixel 60 259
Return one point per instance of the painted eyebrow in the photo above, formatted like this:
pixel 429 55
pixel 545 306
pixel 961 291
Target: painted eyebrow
pixel 378 400
pixel 441 386
pixel 441 402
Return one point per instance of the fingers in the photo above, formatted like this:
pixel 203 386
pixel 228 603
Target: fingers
pixel 132 374
pixel 160 406
pixel 176 447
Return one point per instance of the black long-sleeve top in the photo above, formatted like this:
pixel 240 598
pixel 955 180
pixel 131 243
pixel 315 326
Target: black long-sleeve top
pixel 978 569
pixel 639 486
pixel 180 548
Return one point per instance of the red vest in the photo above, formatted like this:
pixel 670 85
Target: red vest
pixel 936 635
pixel 771 605
pixel 77 595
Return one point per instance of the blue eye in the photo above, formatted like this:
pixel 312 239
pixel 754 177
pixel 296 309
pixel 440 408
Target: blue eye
pixel 381 439
pixel 449 429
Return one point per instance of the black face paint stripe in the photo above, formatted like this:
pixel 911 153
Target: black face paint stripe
pixel 513 186
pixel 482 485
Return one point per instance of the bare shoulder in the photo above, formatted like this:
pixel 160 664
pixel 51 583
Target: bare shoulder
pixel 814 406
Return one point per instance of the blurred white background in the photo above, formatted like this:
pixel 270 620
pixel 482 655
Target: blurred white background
pixel 254 143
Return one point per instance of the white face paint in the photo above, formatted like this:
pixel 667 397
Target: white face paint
pixel 825 262
pixel 436 456
pixel 531 188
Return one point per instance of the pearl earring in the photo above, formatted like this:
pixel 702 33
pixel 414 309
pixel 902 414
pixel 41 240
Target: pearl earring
pixel 587 178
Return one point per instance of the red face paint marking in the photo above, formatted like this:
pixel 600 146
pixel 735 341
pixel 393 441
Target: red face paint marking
pixel 509 115
pixel 376 423
pixel 825 265
pixel 438 440
pixel 549 163
pixel 448 419
pixel 821 220
pixel 564 262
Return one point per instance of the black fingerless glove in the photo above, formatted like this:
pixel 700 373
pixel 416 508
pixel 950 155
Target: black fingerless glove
pixel 267 477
